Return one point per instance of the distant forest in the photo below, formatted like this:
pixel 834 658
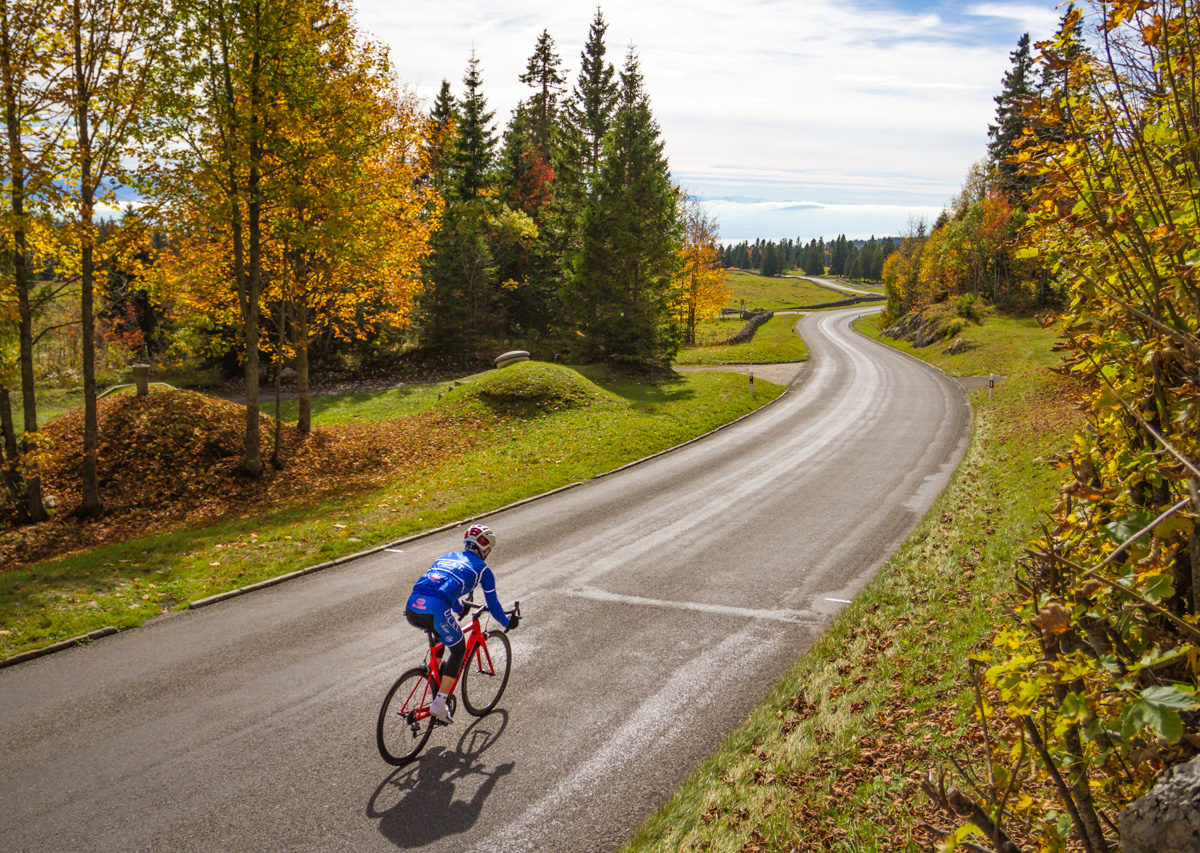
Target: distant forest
pixel 857 259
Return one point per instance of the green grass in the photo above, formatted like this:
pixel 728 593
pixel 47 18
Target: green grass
pixel 776 341
pixel 360 406
pixel 775 294
pixel 544 428
pixel 1008 345
pixel 830 760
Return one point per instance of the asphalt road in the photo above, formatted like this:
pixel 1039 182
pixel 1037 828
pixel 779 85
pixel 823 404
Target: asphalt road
pixel 660 604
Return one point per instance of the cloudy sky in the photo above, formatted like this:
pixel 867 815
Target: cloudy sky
pixel 788 119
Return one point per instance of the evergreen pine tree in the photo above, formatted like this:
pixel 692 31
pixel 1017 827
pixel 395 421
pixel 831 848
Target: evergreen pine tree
pixel 475 141
pixel 445 120
pixel 1016 90
pixel 544 73
pixel 589 111
pixel 771 264
pixel 840 256
pixel 814 259
pixel 631 233
pixel 854 268
pixel 459 298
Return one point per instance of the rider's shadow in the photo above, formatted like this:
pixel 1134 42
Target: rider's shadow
pixel 416 805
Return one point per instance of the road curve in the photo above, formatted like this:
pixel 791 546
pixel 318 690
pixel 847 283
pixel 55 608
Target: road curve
pixel 660 605
pixel 837 285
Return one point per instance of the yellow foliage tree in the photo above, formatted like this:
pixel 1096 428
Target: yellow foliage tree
pixel 701 288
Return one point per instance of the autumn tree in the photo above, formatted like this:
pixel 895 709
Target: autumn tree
pixel 1094 670
pixel 702 290
pixel 351 208
pixel 111 46
pixel 28 74
pixel 217 114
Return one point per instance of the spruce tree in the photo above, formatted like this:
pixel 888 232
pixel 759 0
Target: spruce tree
pixel 630 236
pixel 459 300
pixel 475 142
pixel 840 256
pixel 444 120
pixel 771 263
pixel 544 73
pixel 589 111
pixel 814 259
pixel 1016 91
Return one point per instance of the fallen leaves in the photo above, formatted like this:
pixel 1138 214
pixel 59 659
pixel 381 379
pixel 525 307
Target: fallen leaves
pixel 172 458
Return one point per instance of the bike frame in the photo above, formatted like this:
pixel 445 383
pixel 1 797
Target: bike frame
pixel 476 651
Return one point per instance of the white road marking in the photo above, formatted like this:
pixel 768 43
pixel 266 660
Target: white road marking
pixel 839 601
pixel 796 617
pixel 652 724
pixel 394 550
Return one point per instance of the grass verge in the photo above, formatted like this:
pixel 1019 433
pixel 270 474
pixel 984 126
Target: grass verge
pixel 775 294
pixel 525 438
pixel 832 759
pixel 775 342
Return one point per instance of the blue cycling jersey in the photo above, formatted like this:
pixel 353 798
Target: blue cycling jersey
pixel 453 576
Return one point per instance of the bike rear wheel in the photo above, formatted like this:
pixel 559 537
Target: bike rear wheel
pixel 404 720
pixel 485 673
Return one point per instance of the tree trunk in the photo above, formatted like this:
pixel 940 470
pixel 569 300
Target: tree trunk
pixel 304 420
pixel 248 281
pixel 90 504
pixel 35 511
pixel 9 469
pixel 276 452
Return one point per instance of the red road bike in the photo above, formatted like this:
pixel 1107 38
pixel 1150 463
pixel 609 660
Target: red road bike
pixel 404 720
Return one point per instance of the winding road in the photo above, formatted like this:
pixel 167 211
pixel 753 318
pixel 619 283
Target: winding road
pixel 660 604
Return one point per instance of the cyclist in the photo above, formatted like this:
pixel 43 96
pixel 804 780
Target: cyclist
pixel 434 603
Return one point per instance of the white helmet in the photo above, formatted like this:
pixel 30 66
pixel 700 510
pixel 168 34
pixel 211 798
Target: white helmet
pixel 480 539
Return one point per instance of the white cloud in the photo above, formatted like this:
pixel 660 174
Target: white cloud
pixel 835 101
pixel 806 220
pixel 1033 17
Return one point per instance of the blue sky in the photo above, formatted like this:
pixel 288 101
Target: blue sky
pixel 786 119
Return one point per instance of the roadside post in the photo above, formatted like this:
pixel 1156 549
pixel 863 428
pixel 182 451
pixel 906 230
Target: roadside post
pixel 991 385
pixel 141 378
pixel 751 383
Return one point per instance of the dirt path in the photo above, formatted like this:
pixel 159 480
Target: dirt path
pixel 781 374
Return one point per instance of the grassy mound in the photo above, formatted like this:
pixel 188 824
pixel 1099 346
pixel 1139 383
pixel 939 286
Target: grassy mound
pixel 530 387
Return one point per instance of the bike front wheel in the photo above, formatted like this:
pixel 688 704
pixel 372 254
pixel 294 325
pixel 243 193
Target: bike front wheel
pixel 485 673
pixel 404 720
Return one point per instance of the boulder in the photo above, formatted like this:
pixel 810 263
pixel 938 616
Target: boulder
pixel 511 357
pixel 1167 819
pixel 960 345
pixel 925 327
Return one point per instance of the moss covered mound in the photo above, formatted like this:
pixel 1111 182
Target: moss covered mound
pixel 938 322
pixel 530 386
